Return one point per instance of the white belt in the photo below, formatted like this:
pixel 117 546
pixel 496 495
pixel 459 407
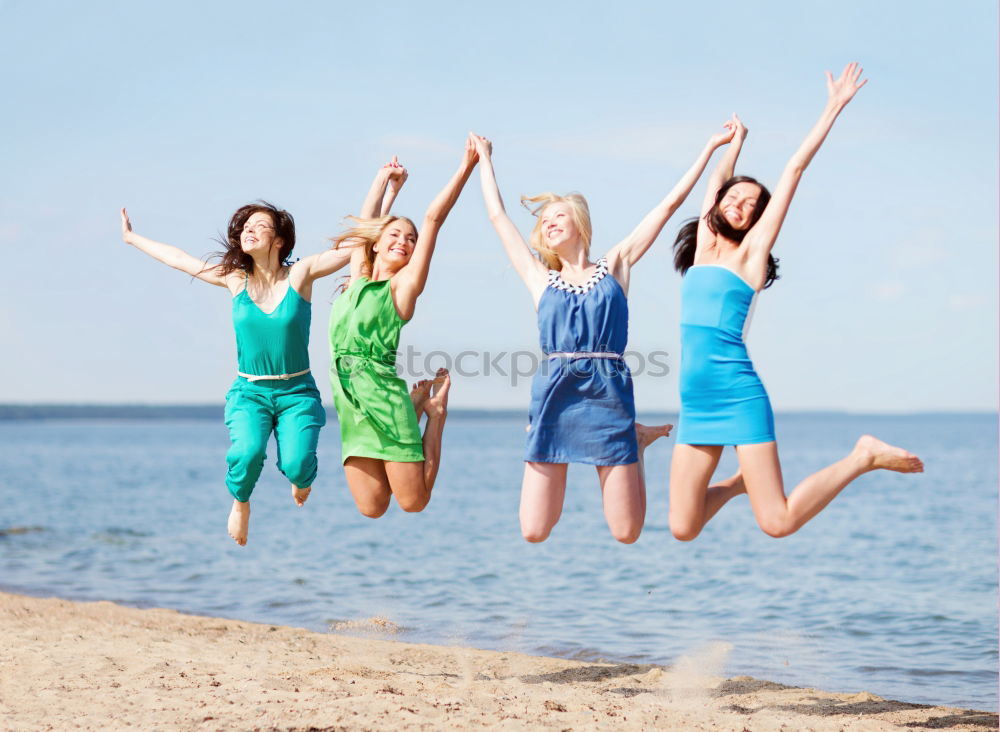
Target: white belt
pixel 271 377
pixel 585 354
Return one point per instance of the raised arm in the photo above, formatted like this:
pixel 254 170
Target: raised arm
pixel 532 272
pixel 388 180
pixel 760 239
pixel 627 252
pixel 170 255
pixel 722 172
pixel 410 280
pixel 384 189
pixel 727 163
pixel 397 177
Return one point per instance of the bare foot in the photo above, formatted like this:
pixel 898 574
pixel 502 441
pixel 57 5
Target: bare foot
pixel 420 392
pixel 239 522
pixel 883 456
pixel 437 405
pixel 300 495
pixel 646 435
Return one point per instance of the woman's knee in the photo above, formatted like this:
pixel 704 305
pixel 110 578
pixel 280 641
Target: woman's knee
pixel 535 534
pixel 628 534
pixel 536 531
pixel 245 453
pixel 373 507
pixel 776 525
pixel 299 468
pixel 412 502
pixel 777 530
pixel 244 461
pixel 684 529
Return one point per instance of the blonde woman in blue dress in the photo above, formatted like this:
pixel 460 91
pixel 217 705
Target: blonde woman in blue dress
pixel 725 257
pixel 582 408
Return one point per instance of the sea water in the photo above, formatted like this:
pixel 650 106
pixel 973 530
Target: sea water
pixel 892 589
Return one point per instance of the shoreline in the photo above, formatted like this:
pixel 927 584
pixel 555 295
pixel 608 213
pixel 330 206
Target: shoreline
pixel 98 665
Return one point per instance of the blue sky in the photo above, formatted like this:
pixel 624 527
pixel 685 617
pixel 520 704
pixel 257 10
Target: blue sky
pixel 184 111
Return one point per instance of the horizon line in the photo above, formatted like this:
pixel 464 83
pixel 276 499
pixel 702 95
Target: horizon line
pixel 36 410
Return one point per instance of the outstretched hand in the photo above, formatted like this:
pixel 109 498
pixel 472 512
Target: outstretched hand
pixel 483 147
pixel 126 226
pixel 842 89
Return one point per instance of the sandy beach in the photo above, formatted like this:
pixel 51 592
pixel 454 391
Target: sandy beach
pixel 70 665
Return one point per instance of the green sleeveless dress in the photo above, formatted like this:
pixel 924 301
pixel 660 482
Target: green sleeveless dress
pixel 376 414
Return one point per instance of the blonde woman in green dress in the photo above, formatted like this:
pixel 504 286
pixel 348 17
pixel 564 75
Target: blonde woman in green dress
pixel 384 454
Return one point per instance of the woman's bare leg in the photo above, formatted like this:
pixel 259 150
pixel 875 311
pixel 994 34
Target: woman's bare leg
pixel 779 516
pixel 436 409
pixel 624 495
pixel 369 485
pixel 623 488
pixel 692 500
pixel 412 483
pixel 542 492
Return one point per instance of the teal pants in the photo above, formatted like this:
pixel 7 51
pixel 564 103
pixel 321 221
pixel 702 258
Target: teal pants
pixel 292 410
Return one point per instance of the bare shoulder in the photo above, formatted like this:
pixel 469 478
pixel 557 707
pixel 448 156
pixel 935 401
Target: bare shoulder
pixel 234 281
pixel 299 270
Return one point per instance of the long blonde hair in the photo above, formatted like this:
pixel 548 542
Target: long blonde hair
pixel 366 233
pixel 580 212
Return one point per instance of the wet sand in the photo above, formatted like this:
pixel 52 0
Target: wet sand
pixel 69 665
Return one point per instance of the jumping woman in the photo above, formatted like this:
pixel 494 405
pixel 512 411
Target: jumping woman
pixel 383 453
pixel 582 408
pixel 274 390
pixel 725 257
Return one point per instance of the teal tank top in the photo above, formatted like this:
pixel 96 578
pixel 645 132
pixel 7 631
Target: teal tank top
pixel 272 343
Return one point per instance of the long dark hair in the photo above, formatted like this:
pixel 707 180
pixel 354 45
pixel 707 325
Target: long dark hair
pixel 687 237
pixel 233 257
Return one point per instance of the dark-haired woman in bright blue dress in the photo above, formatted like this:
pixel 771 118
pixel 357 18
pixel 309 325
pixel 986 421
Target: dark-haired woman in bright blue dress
pixel 725 257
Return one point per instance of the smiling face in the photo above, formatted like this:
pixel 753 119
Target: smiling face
pixel 739 203
pixel 558 226
pixel 395 246
pixel 258 233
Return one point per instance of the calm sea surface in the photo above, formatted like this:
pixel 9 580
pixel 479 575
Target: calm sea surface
pixel 892 589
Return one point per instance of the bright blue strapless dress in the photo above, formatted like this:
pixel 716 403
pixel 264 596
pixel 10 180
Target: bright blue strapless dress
pixel 582 408
pixel 723 401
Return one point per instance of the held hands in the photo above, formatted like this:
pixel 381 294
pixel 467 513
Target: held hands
pixel 841 90
pixel 734 131
pixel 483 147
pixel 471 154
pixel 396 173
